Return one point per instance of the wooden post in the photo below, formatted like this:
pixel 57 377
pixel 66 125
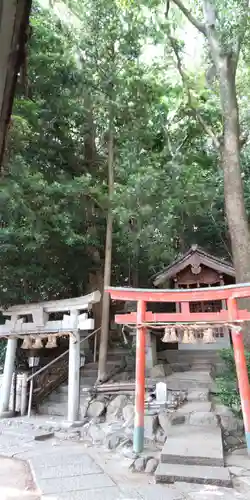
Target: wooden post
pixel 140 378
pixel 241 369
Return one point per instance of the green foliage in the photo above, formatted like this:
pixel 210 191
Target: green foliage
pixel 227 381
pixel 54 195
pixel 2 354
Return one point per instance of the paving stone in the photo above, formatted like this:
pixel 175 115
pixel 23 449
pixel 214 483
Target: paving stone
pixel 160 492
pixel 87 466
pixel 193 445
pixel 215 494
pixel 110 493
pixel 76 483
pixel 169 473
pixel 60 456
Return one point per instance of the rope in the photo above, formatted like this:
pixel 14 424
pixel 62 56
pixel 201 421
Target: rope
pixel 186 326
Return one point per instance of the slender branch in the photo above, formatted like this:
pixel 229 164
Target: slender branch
pixel 195 22
pixel 197 114
pixel 241 36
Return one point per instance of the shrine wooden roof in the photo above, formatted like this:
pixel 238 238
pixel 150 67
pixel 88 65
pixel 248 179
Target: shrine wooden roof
pixel 195 256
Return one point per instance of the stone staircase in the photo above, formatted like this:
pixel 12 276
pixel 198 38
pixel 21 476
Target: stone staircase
pixel 193 454
pixel 55 403
pixel 193 450
pixel 194 360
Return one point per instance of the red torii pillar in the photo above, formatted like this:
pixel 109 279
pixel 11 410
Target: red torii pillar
pixel 140 378
pixel 142 317
pixel 241 370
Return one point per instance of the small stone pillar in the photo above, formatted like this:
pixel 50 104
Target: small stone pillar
pixel 151 355
pixel 74 371
pixel 9 367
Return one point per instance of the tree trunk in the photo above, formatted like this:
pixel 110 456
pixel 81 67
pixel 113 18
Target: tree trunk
pixel 108 261
pixel 233 187
pixel 14 18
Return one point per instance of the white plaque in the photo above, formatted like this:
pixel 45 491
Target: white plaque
pixel 161 393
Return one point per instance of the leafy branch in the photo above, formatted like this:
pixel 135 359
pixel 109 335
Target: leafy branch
pixel 197 114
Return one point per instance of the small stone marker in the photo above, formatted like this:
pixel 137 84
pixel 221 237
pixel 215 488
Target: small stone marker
pixel 161 393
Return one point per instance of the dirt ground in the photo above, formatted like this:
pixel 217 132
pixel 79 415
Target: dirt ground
pixel 16 481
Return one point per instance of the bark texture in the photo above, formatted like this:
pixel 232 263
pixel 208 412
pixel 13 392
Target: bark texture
pixel 225 55
pixel 14 19
pixel 108 260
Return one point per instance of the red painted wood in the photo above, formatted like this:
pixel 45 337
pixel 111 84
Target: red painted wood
pixel 222 316
pixel 191 295
pixel 140 372
pixel 241 368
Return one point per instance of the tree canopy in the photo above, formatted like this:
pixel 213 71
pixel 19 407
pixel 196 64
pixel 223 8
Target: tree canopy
pixel 169 174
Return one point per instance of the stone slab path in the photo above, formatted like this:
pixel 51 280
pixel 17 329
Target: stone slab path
pixel 73 471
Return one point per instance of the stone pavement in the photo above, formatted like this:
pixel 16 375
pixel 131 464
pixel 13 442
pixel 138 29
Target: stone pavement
pixel 74 471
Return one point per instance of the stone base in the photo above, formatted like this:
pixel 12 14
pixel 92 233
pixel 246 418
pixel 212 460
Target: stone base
pixel 170 473
pixel 7 414
pixel 191 445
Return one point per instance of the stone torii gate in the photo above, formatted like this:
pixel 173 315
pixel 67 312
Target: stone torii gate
pixel 73 322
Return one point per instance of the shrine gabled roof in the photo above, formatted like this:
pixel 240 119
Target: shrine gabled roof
pixel 187 259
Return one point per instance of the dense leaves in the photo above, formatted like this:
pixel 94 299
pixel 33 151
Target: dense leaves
pixel 168 184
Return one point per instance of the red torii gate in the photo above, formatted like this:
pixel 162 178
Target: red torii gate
pixel 143 318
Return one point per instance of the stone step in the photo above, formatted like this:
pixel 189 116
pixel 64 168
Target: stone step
pixel 189 356
pixel 169 473
pixel 53 409
pixel 84 382
pixel 197 413
pixel 190 379
pixel 61 397
pixel 90 372
pixel 192 445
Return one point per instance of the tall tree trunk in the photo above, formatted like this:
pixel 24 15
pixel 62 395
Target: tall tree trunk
pixel 108 260
pixel 14 18
pixel 233 187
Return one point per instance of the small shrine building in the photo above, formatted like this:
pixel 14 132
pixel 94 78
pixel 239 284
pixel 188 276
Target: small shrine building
pixel 197 268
